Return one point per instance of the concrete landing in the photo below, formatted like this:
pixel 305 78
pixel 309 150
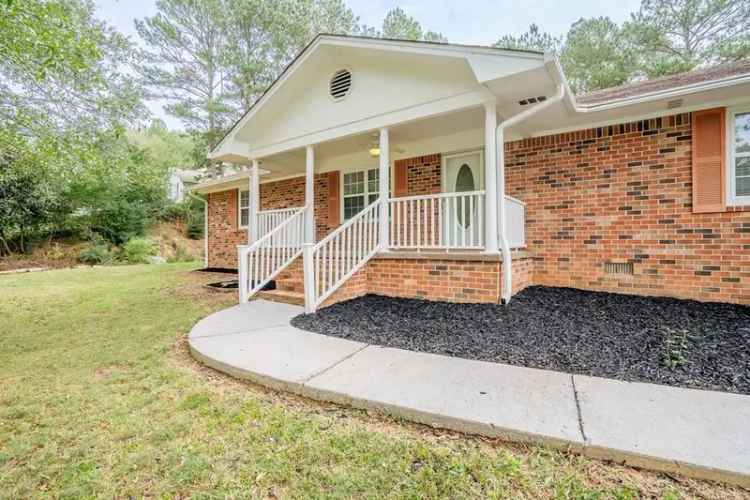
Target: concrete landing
pixel 702 434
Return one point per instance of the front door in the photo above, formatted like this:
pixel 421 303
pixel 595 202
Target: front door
pixel 462 215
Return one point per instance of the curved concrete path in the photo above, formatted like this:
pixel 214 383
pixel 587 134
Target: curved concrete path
pixel 702 434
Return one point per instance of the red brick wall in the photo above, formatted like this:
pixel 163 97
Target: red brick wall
pixel 223 234
pixel 289 193
pixel 450 280
pixel 623 193
pixel 422 174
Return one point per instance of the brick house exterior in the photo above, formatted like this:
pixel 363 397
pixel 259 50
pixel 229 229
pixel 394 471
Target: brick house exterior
pixel 466 174
pixel 619 194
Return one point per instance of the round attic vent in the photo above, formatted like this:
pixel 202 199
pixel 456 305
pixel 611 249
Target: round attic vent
pixel 341 84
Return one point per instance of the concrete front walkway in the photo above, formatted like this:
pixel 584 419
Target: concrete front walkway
pixel 698 433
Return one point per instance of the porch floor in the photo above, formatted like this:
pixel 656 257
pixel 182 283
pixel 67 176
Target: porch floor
pixel 698 433
pixel 632 338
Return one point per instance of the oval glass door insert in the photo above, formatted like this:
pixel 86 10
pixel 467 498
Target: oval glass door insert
pixel 464 183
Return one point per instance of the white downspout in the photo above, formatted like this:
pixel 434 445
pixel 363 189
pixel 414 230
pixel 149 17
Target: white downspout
pixel 502 214
pixel 205 226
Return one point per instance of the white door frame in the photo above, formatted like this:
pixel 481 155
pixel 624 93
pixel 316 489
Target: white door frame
pixel 448 217
pixel 444 166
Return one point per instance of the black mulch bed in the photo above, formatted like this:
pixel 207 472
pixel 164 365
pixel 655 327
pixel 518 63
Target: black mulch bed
pixel 665 341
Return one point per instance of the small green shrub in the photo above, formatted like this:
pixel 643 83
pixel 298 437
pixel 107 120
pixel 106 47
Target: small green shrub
pixel 97 252
pixel 137 251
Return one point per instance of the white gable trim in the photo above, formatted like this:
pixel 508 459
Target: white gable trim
pixel 457 102
pixel 477 58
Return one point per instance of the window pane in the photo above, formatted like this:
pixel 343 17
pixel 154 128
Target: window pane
pixel 743 186
pixel 742 133
pixel 742 175
pixel 371 198
pixel 244 216
pixel 353 205
pixel 373 176
pixel 244 199
pixel 354 183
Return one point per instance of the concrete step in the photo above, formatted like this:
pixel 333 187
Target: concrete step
pixel 283 296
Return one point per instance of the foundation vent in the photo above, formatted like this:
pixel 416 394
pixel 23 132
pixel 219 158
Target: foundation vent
pixel 674 103
pixel 532 100
pixel 341 84
pixel 618 267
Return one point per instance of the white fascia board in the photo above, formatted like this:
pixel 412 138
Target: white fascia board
pixel 665 94
pixel 435 49
pixel 487 68
pixel 224 183
pixel 626 118
pixel 457 102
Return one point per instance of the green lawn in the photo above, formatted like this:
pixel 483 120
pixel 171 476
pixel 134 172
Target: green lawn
pixel 100 398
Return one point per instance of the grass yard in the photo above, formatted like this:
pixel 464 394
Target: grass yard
pixel 99 397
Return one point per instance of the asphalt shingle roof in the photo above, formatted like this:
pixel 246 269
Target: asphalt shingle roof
pixel 718 72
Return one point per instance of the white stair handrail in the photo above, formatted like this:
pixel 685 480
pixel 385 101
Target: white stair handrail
pixel 260 262
pixel 267 220
pixel 334 259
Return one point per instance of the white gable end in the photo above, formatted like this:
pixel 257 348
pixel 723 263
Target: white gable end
pixel 382 82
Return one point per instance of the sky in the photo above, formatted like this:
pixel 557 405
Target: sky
pixel 479 22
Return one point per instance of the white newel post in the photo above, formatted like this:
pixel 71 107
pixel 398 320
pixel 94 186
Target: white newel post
pixel 384 185
pixel 307 247
pixel 490 179
pixel 254 200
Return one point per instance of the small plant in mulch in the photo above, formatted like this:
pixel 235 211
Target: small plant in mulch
pixel 676 344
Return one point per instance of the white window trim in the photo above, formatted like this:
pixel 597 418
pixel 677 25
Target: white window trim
pixel 239 208
pixel 732 199
pixel 342 196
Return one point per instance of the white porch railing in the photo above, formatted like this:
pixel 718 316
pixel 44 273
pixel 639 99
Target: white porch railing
pixel 516 216
pixel 269 219
pixel 448 221
pixel 336 258
pixel 260 262
pixel 438 221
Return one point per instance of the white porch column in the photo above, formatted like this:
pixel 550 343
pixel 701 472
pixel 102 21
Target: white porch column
pixel 309 195
pixel 490 179
pixel 385 182
pixel 254 195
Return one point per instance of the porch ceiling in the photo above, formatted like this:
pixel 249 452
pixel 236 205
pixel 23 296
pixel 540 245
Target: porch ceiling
pixel 445 133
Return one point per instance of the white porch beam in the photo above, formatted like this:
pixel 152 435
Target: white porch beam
pixel 309 194
pixel 254 201
pixel 491 180
pixel 385 182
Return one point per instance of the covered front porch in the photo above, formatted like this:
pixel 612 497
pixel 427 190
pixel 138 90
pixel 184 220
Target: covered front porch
pixel 428 186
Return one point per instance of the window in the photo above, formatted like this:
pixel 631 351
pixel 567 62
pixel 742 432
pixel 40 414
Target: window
pixel 360 189
pixel 739 156
pixel 244 210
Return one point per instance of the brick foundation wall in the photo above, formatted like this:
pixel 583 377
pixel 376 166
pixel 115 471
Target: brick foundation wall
pixel 442 279
pixel 624 194
pixel 223 233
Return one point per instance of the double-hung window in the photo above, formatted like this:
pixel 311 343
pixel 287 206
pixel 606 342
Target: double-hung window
pixel 360 189
pixel 244 208
pixel 739 156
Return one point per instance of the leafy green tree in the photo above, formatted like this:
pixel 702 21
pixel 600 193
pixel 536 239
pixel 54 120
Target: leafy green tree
pixel 68 78
pixel 596 55
pixel 533 39
pixel 399 25
pixel 186 40
pixel 677 35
